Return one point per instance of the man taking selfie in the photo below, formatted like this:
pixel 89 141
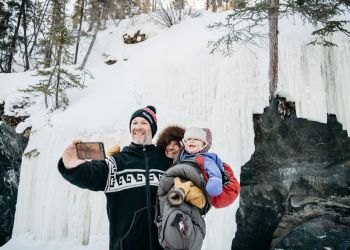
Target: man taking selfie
pixel 129 180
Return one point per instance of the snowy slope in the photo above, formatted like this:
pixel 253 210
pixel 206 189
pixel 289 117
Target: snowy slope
pixel 173 71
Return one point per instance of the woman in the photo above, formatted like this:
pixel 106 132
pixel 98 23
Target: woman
pixel 169 141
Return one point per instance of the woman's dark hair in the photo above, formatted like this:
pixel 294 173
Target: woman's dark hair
pixel 171 133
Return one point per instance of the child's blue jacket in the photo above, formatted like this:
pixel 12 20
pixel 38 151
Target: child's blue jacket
pixel 213 166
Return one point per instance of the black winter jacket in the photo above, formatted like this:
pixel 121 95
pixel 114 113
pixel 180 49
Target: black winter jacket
pixel 129 180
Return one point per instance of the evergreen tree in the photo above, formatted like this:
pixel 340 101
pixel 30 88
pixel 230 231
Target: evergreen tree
pixel 25 40
pixel 5 26
pixel 55 77
pixel 11 14
pixel 15 16
pixel 245 22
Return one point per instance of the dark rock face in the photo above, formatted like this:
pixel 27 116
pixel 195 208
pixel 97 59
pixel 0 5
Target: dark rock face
pixel 295 190
pixel 12 146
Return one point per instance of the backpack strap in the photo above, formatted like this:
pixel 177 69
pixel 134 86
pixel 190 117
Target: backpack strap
pixel 225 178
pixel 199 160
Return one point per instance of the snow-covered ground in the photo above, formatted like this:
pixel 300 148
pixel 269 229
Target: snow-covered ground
pixel 173 71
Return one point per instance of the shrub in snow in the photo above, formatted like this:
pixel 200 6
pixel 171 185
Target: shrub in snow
pixel 168 14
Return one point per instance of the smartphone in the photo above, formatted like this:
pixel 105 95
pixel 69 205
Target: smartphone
pixel 90 150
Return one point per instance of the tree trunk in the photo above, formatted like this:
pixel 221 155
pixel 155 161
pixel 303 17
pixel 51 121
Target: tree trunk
pixel 24 24
pixel 48 87
pixel 49 47
pixel 219 3
pixel 91 24
pixel 213 5
pixel 38 27
pixel 57 87
pixel 14 39
pixel 154 5
pixel 58 80
pixel 48 55
pixel 97 28
pixel 45 100
pixel 273 46
pixel 89 50
pixel 79 30
pixel 58 20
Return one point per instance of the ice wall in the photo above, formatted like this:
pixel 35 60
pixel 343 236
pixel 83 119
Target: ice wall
pixel 316 78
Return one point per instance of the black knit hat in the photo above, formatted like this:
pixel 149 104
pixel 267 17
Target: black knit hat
pixel 148 113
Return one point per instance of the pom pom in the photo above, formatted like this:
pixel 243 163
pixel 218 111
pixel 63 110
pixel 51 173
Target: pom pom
pixel 152 108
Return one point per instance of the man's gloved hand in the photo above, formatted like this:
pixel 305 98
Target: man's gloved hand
pixel 113 150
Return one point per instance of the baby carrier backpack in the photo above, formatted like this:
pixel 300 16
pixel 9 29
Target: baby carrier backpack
pixel 230 188
pixel 182 226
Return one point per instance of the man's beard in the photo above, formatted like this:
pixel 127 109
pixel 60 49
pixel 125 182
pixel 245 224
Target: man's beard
pixel 141 140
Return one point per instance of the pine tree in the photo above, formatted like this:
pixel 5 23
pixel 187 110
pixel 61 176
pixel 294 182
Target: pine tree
pixel 11 13
pixel 5 27
pixel 15 16
pixel 56 78
pixel 244 25
pixel 25 40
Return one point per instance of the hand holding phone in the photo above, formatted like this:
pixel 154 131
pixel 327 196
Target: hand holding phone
pixel 90 150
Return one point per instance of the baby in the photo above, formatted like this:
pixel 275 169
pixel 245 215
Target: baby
pixel 197 142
